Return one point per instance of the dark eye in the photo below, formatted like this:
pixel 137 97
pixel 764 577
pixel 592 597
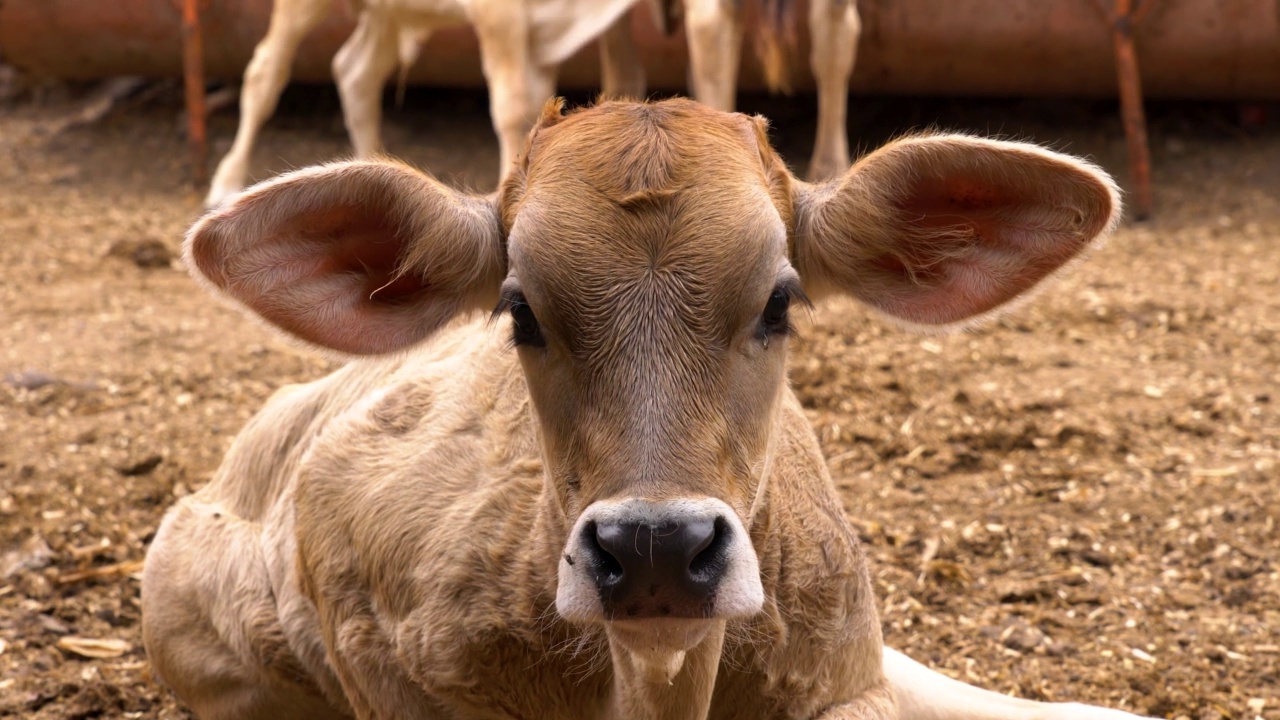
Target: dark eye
pixel 774 317
pixel 525 330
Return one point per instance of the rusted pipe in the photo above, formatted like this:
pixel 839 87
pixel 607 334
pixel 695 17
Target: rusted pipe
pixel 1124 15
pixel 1135 122
pixel 193 81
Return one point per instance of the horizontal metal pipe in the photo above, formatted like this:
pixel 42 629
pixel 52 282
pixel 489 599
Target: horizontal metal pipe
pixel 1224 49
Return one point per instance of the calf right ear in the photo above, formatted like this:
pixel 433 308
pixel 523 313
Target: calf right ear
pixel 359 257
pixel 939 230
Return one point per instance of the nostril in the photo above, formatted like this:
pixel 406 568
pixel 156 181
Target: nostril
pixel 698 536
pixel 709 563
pixel 607 568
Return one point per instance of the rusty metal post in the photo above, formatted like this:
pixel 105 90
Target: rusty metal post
pixel 193 81
pixel 1123 16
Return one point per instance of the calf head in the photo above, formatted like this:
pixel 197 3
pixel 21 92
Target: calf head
pixel 649 257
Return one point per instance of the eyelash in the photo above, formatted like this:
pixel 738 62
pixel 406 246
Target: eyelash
pixel 526 336
pixel 783 326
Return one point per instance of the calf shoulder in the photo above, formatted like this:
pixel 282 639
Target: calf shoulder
pixel 422 538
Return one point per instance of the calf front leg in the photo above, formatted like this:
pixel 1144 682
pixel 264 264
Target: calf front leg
pixel 264 80
pixel 834 27
pixel 924 694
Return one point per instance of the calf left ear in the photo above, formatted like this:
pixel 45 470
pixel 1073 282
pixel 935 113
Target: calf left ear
pixel 359 257
pixel 935 230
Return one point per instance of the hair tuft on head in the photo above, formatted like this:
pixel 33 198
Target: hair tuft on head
pixel 552 113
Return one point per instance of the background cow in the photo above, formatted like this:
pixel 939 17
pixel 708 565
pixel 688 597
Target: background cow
pixel 626 514
pixel 521 44
pixel 715 29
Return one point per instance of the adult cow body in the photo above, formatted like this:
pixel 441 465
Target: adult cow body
pixel 604 501
pixel 522 42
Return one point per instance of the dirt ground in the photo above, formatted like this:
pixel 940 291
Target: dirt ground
pixel 1076 503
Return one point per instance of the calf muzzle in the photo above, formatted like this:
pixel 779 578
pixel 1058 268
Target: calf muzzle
pixel 644 569
pixel 636 559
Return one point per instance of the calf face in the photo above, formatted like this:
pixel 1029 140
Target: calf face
pixel 650 257
pixel 651 319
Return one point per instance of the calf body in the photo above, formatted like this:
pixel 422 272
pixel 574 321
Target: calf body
pixel 624 515
pixel 429 547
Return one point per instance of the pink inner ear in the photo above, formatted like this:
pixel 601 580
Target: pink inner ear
pixel 360 243
pixel 329 277
pixel 969 246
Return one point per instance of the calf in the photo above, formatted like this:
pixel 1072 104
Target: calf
pixel 600 499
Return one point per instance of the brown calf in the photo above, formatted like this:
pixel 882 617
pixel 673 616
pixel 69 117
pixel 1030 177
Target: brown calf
pixel 604 501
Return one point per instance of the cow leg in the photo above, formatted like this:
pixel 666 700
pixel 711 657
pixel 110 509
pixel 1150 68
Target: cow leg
pixel 714 28
pixel 361 69
pixel 924 694
pixel 210 623
pixel 621 71
pixel 834 27
pixel 518 87
pixel 264 80
pixel 515 98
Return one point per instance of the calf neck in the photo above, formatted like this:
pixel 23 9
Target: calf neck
pixel 568 478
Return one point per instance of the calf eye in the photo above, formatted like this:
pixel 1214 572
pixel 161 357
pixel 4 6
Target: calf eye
pixel 774 318
pixel 525 330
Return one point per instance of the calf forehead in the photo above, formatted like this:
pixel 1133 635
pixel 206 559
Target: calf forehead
pixel 621 149
pixel 668 201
